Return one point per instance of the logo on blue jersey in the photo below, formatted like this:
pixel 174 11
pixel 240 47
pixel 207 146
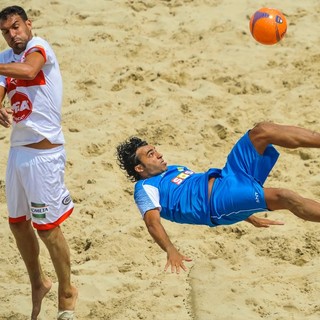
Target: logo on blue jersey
pixel 181 177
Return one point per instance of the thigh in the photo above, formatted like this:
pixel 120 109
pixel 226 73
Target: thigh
pixel 277 198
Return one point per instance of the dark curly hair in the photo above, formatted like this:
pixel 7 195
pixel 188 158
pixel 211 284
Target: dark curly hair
pixel 9 11
pixel 127 158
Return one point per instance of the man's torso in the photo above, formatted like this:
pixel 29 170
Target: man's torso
pixel 36 103
pixel 180 194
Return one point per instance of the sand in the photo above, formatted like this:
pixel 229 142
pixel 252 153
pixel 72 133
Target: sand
pixel 188 77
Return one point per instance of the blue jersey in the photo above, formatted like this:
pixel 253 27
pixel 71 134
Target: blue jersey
pixel 180 194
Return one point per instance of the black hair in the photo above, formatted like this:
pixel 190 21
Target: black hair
pixel 9 11
pixel 127 158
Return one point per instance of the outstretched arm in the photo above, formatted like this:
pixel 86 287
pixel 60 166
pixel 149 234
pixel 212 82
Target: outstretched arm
pixel 174 257
pixel 262 222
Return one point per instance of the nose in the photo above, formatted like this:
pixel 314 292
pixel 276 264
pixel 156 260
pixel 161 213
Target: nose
pixel 159 155
pixel 12 33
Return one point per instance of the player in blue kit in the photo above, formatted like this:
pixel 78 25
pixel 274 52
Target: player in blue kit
pixel 218 196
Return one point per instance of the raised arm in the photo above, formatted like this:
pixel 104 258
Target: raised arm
pixel 26 70
pixel 174 257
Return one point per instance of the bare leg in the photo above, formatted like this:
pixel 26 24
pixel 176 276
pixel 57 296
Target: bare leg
pixel 28 246
pixel 303 208
pixel 266 133
pixel 60 256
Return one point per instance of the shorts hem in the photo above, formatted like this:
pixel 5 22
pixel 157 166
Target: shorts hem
pixel 49 226
pixel 17 220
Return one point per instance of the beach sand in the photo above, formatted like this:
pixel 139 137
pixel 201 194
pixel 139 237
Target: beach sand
pixel 188 77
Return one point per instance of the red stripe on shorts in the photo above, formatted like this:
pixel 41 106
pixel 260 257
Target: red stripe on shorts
pixel 52 225
pixel 17 220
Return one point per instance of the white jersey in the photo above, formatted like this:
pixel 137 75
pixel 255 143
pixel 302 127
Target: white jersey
pixel 36 104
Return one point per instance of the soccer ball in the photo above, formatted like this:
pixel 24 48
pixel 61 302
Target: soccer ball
pixel 268 26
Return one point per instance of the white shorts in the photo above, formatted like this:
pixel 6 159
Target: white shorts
pixel 35 187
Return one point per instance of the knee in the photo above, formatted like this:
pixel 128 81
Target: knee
pixel 261 135
pixel 46 235
pixel 261 130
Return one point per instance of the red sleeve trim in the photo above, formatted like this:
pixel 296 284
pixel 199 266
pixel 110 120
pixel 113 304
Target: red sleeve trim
pixel 37 49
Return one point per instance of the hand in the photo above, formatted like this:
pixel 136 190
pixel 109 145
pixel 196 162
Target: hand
pixel 175 260
pixel 5 117
pixel 262 222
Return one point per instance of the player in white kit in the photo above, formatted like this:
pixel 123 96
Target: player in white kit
pixel 36 194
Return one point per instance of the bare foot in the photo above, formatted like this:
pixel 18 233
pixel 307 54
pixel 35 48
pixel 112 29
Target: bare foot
pixel 68 299
pixel 37 296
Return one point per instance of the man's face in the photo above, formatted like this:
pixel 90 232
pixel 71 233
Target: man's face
pixel 16 32
pixel 151 162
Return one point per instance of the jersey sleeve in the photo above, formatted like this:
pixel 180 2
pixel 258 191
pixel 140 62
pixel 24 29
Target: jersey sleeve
pixel 37 44
pixel 146 198
pixel 38 48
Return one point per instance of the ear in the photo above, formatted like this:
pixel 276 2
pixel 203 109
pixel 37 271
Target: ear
pixel 139 168
pixel 29 24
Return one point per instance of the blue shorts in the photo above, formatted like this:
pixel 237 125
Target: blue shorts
pixel 238 192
